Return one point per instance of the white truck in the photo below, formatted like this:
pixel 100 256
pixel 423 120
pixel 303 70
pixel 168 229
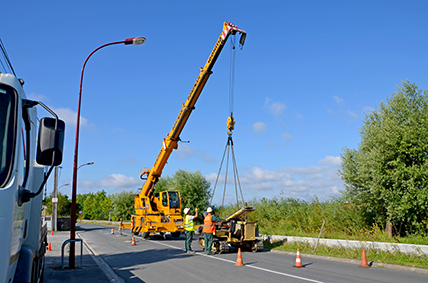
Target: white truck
pixel 26 147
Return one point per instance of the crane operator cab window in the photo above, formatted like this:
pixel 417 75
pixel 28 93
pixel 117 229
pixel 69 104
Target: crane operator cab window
pixel 174 200
pixel 164 199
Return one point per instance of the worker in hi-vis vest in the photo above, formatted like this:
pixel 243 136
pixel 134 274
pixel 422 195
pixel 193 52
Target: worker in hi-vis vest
pixel 209 229
pixel 189 229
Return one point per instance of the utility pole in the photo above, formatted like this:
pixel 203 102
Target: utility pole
pixel 55 201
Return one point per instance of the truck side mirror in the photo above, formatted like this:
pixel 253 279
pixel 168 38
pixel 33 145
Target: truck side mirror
pixel 51 142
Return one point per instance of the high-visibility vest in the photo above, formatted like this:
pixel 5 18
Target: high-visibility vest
pixel 188 223
pixel 209 225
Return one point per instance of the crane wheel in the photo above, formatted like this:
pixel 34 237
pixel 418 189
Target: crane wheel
pixel 146 235
pixel 175 234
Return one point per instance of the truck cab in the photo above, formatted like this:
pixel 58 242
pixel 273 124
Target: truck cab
pixel 25 149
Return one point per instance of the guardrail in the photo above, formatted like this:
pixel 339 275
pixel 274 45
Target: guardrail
pixel 102 222
pixel 388 247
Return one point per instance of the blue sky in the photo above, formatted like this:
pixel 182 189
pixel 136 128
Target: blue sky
pixel 306 77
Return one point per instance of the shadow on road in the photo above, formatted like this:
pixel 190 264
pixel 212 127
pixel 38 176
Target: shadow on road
pixel 86 229
pixel 127 264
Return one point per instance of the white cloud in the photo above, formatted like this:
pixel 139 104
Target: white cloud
pixel 65 114
pixel 367 110
pixel 286 138
pixel 37 97
pixel 352 114
pixel 270 144
pixel 335 190
pixel 70 117
pixel 117 181
pixel 338 99
pixel 331 160
pixel 298 182
pixel 127 159
pixel 275 108
pixel 259 128
pixel 187 151
pixel 299 116
pixel 328 109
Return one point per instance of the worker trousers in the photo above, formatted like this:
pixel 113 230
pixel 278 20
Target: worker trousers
pixel 208 239
pixel 189 239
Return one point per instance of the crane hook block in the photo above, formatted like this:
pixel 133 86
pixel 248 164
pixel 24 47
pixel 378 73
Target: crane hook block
pixel 230 124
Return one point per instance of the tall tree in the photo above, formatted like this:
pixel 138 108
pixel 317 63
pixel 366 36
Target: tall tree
pixel 123 205
pixel 63 205
pixel 96 206
pixel 387 175
pixel 193 188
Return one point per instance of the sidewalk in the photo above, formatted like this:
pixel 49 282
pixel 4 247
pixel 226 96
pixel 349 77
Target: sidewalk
pixel 90 272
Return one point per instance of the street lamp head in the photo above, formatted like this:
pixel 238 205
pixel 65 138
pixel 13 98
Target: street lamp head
pixel 135 40
pixel 84 164
pixel 64 185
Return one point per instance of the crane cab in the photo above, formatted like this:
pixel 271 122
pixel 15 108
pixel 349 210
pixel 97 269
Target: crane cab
pixel 160 215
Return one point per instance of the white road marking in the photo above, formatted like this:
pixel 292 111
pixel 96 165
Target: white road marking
pixel 247 265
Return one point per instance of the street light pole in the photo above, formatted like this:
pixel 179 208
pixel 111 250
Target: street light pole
pixel 55 203
pixel 128 41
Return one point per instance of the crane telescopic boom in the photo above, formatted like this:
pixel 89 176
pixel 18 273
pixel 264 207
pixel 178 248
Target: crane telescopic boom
pixel 160 213
pixel 170 143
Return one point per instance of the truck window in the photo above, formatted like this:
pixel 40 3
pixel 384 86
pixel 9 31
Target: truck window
pixel 8 114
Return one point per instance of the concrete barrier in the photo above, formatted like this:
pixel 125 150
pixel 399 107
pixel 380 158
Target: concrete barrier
pixel 419 250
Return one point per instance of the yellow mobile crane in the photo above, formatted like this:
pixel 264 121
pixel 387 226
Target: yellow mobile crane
pixel 161 213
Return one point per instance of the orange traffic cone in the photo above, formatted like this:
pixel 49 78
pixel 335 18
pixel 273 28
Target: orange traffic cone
pixel 112 231
pixel 364 263
pixel 298 260
pixel 239 259
pixel 49 247
pixel 133 241
pixel 52 233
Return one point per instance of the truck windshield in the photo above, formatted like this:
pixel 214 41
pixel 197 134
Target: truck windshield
pixel 8 116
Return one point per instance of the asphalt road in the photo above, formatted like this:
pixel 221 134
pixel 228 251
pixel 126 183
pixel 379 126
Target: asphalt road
pixel 164 260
